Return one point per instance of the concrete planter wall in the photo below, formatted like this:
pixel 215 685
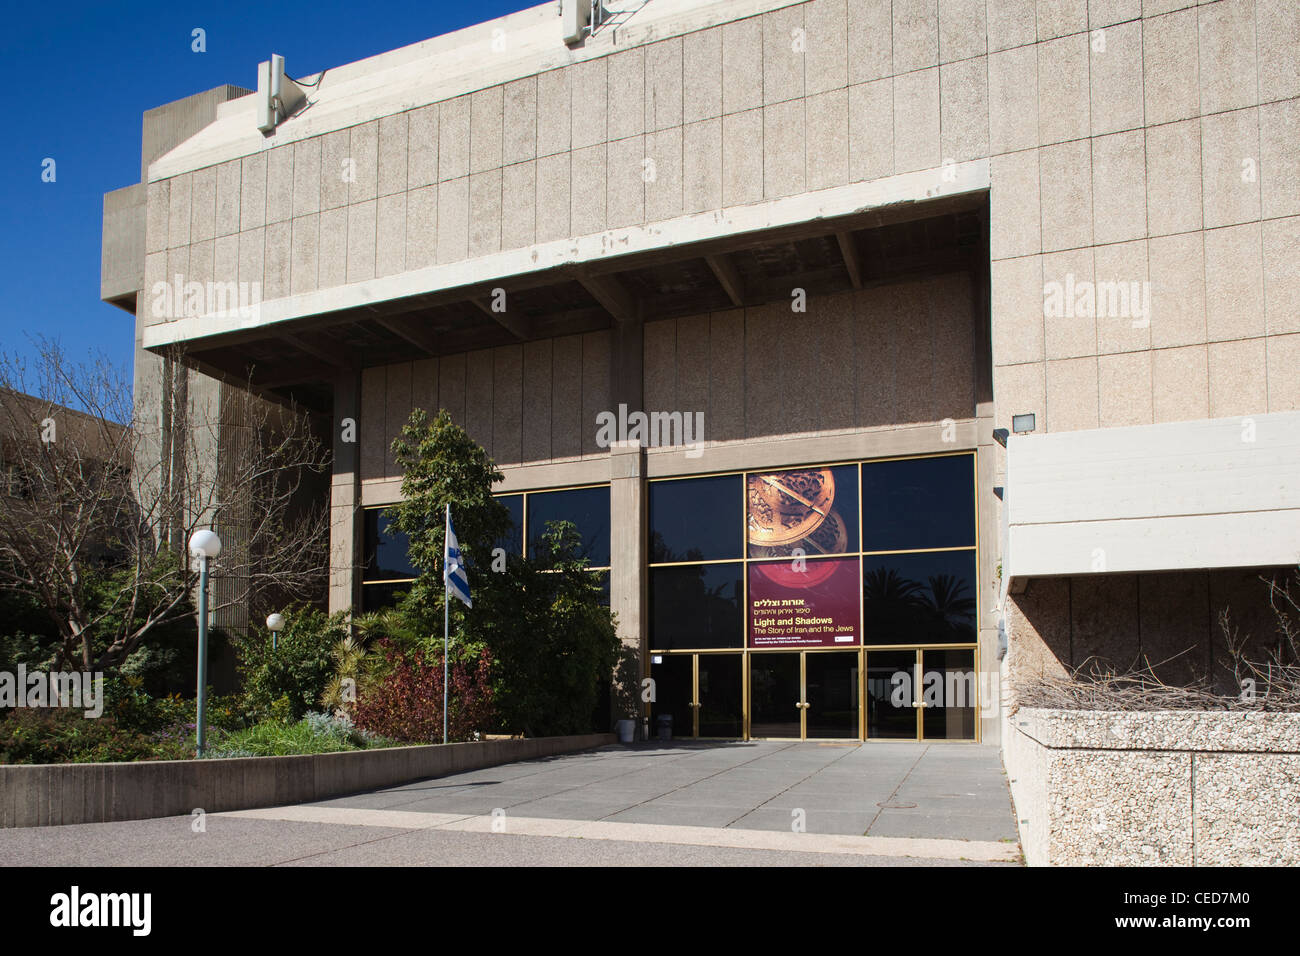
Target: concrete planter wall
pixel 53 794
pixel 1175 788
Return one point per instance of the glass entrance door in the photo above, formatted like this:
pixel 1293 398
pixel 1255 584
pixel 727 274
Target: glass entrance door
pixel 831 695
pixel 720 691
pixel 948 690
pixel 804 695
pixel 891 695
pixel 921 693
pixel 776 695
pixel 703 694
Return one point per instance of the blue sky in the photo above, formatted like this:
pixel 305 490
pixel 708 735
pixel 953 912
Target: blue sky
pixel 74 80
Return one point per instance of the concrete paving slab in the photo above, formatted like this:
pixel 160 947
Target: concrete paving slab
pixel 950 790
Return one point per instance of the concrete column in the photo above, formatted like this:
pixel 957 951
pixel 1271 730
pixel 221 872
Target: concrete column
pixel 345 495
pixel 988 587
pixel 626 348
pixel 628 524
pixel 627 576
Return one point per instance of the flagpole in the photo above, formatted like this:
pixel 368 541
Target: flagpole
pixel 446 618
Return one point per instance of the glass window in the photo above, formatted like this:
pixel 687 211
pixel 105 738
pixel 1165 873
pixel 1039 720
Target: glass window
pixel 918 503
pixel 513 542
pixel 695 519
pixel 696 606
pixel 812 509
pixel 587 508
pixel 376 597
pixel 925 598
pixel 385 549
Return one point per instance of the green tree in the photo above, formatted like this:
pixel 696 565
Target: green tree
pixel 552 640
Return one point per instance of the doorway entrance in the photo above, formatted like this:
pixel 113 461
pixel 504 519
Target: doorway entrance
pixel 803 695
pixel 702 693
pixel 921 693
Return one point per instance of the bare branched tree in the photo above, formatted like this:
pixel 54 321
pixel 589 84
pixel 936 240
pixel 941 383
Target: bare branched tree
pixel 103 489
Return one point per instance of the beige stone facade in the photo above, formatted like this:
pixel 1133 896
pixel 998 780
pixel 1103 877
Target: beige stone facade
pixel 1134 158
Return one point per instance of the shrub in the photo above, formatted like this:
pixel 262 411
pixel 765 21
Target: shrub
pixel 402 699
pixel 63 735
pixel 316 733
pixel 298 669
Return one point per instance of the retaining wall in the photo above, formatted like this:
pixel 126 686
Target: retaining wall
pixel 54 794
pixel 1177 788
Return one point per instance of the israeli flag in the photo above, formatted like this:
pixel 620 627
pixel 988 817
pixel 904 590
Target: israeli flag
pixel 453 571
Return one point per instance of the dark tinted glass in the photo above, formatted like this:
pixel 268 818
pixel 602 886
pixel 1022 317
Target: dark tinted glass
pixel 722 695
pixel 695 519
pixel 891 691
pixel 831 690
pixel 774 695
pixel 812 509
pixel 588 508
pixel 919 598
pixel 513 543
pixel 949 689
pixel 696 606
pixel 376 597
pixel 385 550
pixel 674 678
pixel 918 503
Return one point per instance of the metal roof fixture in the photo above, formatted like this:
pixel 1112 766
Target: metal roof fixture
pixel 278 96
pixel 576 18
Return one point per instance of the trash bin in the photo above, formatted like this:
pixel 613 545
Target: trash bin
pixel 626 731
pixel 665 725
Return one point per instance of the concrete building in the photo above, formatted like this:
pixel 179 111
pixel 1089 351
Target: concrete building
pixel 857 243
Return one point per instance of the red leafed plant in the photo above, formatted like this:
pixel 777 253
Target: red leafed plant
pixel 404 699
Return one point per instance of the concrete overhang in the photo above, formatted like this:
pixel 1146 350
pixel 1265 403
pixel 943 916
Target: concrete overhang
pixel 1217 493
pixel 923 223
pixel 121 266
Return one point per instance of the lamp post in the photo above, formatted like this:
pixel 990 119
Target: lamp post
pixel 275 624
pixel 204 544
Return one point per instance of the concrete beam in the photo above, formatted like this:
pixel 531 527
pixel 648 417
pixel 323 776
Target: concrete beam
pixel 409 330
pixel 521 327
pixel 728 276
pixel 860 205
pixel 612 295
pixel 330 356
pixel 850 253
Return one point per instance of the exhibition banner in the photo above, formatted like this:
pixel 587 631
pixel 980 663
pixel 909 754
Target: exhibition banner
pixel 804 603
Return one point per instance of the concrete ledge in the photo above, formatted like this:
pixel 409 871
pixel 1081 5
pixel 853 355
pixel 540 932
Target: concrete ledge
pixel 1180 788
pixel 58 794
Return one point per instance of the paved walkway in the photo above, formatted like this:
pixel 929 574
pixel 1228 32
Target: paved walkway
pixel 757 803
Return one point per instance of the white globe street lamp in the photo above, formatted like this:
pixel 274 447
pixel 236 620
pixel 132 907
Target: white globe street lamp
pixel 204 545
pixel 275 624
